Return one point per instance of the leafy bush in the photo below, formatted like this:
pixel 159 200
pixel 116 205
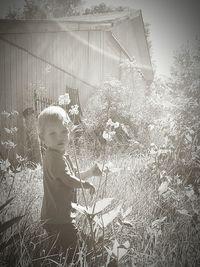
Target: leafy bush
pixel 102 8
pixel 135 106
pixel 4 226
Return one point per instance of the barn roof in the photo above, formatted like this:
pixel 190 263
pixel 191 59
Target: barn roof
pixel 82 22
pixel 112 17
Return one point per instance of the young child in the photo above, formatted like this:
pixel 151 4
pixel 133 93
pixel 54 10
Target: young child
pixel 59 177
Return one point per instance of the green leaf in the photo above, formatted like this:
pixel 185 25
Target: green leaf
pixel 11 240
pixel 163 187
pixel 6 203
pixel 120 250
pixel 108 217
pixel 4 165
pixel 127 212
pixel 8 224
pixel 100 205
pixel 79 208
pixel 184 212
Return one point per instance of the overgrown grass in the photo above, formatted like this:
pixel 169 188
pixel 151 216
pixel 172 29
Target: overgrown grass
pixel 162 229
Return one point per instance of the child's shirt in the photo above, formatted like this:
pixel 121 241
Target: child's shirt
pixel 59 189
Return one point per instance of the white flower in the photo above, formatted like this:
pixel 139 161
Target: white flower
pixel 109 122
pixel 7 130
pixel 151 127
pixel 15 112
pixel 112 124
pixel 116 124
pixel 14 129
pixel 108 135
pixel 8 144
pixel 74 110
pixel 124 129
pixel 109 131
pixel 11 130
pixel 64 99
pixel 4 165
pixel 19 157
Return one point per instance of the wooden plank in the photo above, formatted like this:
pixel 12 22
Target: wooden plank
pixel 2 95
pixel 9 121
pixel 8 96
pixel 20 95
pixel 23 100
pixel 45 69
pixel 53 89
pixel 34 68
pixel 48 68
pixel 61 41
pixel 21 27
pixel 2 76
pixel 29 92
pixel 102 56
pixel 41 70
pixel 57 56
pixel 111 58
pixel 13 93
pixel 37 51
pixel 24 55
pixel 14 73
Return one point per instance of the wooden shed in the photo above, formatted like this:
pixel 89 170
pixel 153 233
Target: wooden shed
pixel 48 56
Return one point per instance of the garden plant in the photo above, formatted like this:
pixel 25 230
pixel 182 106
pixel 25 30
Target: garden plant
pixel 145 211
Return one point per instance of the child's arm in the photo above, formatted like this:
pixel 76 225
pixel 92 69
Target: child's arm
pixel 58 170
pixel 74 182
pixel 94 171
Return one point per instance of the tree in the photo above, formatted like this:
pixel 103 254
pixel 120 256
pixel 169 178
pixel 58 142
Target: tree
pixel 186 83
pixel 35 9
pixel 183 138
pixel 102 8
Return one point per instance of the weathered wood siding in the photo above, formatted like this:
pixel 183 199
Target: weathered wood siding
pixel 89 56
pixel 131 36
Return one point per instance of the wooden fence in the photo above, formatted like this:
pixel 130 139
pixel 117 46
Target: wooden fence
pixel 41 102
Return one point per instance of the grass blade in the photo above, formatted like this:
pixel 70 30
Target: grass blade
pixel 6 203
pixel 8 224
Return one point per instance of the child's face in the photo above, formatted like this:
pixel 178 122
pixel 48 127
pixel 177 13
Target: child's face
pixel 55 135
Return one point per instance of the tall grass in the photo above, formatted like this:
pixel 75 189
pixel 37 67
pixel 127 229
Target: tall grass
pixel 159 231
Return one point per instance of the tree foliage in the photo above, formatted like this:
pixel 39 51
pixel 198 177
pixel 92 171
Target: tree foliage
pixel 102 8
pixel 130 102
pixel 34 9
pixel 180 154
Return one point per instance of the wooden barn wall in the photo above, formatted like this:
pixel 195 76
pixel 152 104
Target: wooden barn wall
pixel 112 57
pixel 11 87
pixel 125 34
pixel 91 56
pixel 132 37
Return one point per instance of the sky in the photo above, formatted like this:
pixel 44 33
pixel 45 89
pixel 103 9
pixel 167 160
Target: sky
pixel 172 23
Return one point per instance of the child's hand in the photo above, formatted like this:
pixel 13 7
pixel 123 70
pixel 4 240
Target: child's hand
pixel 90 187
pixel 96 170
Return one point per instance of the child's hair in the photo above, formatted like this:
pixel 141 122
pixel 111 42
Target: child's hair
pixel 52 113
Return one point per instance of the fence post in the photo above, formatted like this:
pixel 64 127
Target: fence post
pixel 32 142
